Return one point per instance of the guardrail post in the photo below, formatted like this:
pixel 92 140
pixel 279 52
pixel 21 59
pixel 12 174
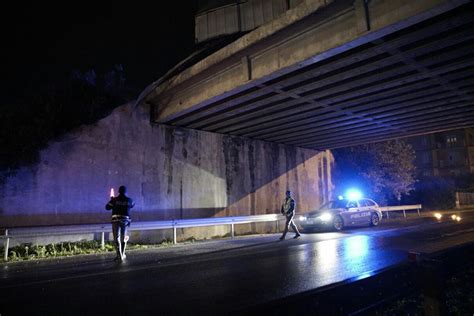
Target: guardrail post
pixel 6 245
pixel 232 230
pixel 174 233
pixel 418 210
pixel 102 241
pixel 404 214
pixel 388 216
pixel 458 203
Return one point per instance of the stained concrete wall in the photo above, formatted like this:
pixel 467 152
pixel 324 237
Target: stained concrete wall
pixel 170 172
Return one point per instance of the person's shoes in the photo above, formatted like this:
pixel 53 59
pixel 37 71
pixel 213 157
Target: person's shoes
pixel 124 256
pixel 281 238
pixel 297 236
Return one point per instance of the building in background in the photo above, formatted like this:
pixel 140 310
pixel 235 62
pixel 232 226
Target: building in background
pixel 446 154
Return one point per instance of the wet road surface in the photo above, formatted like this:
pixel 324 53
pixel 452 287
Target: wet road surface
pixel 218 276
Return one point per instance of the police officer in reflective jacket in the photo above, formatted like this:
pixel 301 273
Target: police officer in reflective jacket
pixel 120 207
pixel 288 209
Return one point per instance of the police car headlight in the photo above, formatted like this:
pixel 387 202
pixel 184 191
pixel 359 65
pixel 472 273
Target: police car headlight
pixel 325 217
pixel 302 218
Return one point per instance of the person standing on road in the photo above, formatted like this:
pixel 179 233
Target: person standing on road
pixel 120 207
pixel 288 209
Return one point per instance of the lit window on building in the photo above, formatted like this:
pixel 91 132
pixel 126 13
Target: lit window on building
pixel 451 139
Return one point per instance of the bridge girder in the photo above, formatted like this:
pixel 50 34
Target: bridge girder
pixel 330 74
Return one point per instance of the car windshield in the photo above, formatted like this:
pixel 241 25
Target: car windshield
pixel 333 204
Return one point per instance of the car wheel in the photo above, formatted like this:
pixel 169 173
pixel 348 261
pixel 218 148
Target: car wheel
pixel 374 219
pixel 338 224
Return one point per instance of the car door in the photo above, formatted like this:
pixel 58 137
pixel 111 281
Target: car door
pixel 351 214
pixel 365 208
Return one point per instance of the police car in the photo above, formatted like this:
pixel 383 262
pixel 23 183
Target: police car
pixel 342 213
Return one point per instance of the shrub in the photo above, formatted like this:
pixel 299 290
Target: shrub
pixel 434 193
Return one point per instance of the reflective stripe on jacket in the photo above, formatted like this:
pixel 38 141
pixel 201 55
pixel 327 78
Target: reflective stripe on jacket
pixel 288 206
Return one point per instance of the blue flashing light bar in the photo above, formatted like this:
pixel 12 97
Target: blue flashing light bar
pixel 353 194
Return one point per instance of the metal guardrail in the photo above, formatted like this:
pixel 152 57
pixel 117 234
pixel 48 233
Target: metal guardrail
pixel 464 199
pixel 398 208
pixel 25 232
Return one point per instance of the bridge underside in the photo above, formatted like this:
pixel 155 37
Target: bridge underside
pixel 415 80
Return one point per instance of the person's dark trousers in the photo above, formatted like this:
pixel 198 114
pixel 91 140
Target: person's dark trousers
pixel 119 230
pixel 290 222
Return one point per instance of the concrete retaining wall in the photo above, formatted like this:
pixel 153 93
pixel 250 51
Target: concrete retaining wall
pixel 170 173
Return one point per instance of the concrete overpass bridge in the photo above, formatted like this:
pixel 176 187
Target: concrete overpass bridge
pixel 328 74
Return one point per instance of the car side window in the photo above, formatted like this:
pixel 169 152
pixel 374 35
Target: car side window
pixel 369 203
pixel 352 204
pixel 363 203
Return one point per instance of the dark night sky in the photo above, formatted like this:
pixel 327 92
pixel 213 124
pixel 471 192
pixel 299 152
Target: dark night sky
pixel 44 44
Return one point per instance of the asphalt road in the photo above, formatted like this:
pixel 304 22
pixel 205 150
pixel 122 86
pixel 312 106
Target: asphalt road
pixel 216 277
